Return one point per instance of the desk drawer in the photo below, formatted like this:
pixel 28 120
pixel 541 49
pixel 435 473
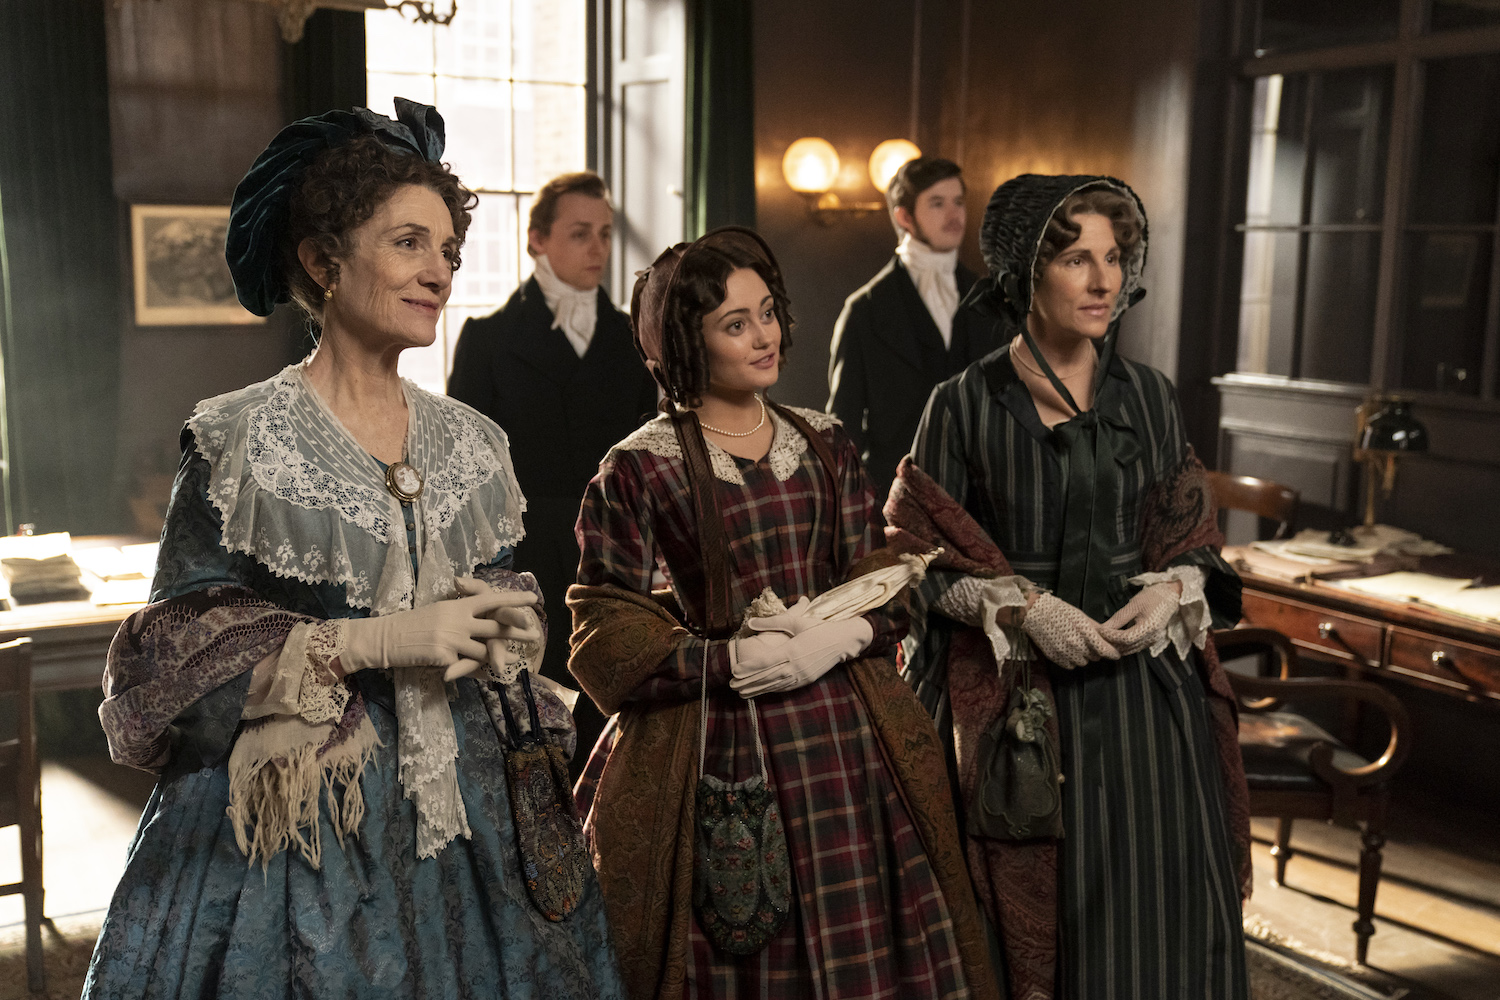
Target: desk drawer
pixel 1330 634
pixel 1453 663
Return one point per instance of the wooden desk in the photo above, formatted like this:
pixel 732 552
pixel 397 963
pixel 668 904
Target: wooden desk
pixel 69 639
pixel 1369 635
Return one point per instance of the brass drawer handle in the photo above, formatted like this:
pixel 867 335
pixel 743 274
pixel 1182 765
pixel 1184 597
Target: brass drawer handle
pixel 1439 658
pixel 1329 631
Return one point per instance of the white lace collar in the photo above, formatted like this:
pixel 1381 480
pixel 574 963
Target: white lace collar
pixel 299 494
pixel 659 437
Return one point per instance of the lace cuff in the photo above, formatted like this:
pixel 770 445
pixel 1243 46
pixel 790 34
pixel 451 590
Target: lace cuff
pixel 518 654
pixel 976 601
pixel 301 682
pixel 1189 626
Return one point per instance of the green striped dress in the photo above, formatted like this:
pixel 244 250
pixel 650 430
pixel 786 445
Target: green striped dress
pixel 1148 905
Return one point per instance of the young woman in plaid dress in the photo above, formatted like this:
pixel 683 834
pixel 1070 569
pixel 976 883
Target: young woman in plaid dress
pixel 880 903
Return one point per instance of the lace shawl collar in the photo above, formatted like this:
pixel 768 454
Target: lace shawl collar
pixel 297 492
pixel 787 445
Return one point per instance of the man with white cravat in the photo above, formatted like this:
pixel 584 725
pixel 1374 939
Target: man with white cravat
pixel 557 369
pixel 903 332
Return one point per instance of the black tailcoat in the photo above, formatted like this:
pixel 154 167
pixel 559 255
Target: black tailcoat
pixel 887 356
pixel 562 413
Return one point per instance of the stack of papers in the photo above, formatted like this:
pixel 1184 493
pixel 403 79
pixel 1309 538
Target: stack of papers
pixel 1369 543
pixel 41 568
pixel 119 575
pixel 1447 593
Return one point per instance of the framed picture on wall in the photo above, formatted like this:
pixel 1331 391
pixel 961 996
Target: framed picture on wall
pixel 181 278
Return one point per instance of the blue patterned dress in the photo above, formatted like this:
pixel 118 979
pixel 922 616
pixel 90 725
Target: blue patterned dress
pixel 191 918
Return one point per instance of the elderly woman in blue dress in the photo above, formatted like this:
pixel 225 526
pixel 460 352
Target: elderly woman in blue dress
pixel 332 680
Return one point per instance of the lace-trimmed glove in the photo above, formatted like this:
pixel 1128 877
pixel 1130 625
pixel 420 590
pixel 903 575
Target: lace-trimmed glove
pixel 769 662
pixel 447 634
pixel 1064 634
pixel 1142 622
pixel 519 645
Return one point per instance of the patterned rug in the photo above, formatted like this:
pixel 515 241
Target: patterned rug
pixel 1277 975
pixel 67 946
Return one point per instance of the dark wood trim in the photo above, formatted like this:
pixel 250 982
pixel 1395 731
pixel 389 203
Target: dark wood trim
pixel 1317 227
pixel 1309 160
pixel 592 75
pixel 1406 109
pixel 1440 46
pixel 1217 157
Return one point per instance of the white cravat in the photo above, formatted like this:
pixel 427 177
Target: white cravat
pixel 934 275
pixel 575 312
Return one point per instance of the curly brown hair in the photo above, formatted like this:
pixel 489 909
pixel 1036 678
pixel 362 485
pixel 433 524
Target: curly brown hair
pixel 1062 232
pixel 698 287
pixel 340 192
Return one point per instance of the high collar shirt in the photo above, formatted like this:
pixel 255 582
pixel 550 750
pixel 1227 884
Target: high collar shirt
pixel 574 311
pixel 934 275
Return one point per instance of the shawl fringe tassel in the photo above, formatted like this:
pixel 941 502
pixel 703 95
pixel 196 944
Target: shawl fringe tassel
pixel 279 772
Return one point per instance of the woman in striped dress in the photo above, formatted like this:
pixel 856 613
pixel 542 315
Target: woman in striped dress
pixel 1103 575
pixel 880 901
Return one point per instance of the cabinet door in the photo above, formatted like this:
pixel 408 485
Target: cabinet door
pixel 648 99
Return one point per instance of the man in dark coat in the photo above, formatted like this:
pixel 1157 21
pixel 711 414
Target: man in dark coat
pixel 557 370
pixel 904 332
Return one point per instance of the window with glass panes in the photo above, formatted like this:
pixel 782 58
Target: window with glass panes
pixel 508 77
pixel 1371 217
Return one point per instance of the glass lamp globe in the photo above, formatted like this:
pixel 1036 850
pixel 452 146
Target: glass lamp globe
pixel 888 158
pixel 810 165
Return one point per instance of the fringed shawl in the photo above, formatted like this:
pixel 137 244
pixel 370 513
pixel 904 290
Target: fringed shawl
pixel 1017 880
pixel 644 851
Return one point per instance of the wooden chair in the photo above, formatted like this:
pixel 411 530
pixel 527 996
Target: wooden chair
pixel 21 798
pixel 1298 770
pixel 1261 497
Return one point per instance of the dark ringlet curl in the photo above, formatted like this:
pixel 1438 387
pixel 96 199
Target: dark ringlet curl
pixel 341 191
pixel 1062 231
pixel 687 283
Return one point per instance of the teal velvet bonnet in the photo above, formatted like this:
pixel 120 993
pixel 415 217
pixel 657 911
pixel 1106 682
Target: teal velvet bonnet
pixel 258 216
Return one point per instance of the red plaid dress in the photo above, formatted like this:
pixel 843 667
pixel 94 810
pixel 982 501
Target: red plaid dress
pixel 869 919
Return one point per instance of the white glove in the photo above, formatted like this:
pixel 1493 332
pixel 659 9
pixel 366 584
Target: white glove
pixel 447 634
pixel 769 662
pixel 517 624
pixel 793 621
pixel 1064 634
pixel 1150 610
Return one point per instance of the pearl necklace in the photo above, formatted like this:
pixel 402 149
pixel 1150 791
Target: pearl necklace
pixel 1032 368
pixel 740 434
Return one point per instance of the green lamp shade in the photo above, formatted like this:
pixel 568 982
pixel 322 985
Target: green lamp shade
pixel 1394 429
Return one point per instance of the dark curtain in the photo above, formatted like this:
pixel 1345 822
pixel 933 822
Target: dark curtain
pixel 61 279
pixel 325 71
pixel 721 116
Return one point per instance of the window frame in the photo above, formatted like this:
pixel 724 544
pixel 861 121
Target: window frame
pixel 1406 54
pixel 519 196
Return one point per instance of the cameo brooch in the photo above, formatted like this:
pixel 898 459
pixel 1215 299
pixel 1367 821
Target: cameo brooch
pixel 404 482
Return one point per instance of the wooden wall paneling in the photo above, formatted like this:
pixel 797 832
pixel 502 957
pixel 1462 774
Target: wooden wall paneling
pixel 1106 90
pixel 841 70
pixel 196 92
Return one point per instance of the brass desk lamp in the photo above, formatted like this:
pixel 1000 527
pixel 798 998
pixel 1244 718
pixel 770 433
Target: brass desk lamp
pixel 1384 428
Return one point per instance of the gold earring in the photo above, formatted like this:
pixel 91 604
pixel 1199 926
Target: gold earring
pixel 328 294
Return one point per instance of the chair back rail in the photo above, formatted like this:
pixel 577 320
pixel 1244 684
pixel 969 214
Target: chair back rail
pixel 1261 497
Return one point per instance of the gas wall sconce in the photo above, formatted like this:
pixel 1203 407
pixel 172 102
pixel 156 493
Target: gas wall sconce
pixel 811 166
